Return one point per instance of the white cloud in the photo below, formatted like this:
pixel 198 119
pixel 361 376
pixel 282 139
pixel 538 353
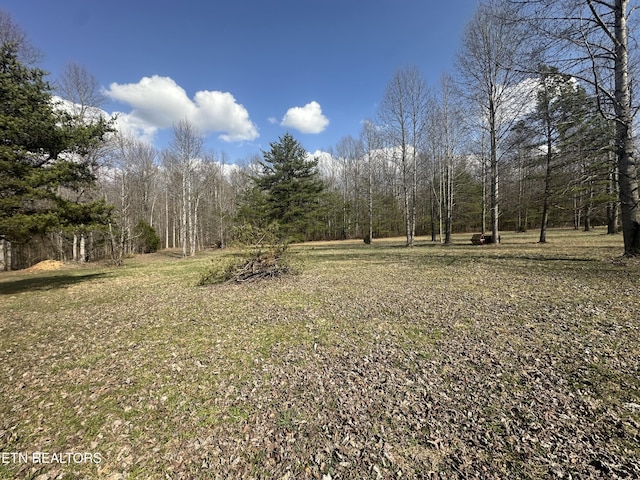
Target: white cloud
pixel 327 165
pixel 158 102
pixel 91 114
pixel 219 112
pixel 229 169
pixel 131 125
pixel 307 119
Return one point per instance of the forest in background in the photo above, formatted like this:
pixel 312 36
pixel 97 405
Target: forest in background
pixel 494 147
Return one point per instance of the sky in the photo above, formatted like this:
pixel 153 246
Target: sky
pixel 245 72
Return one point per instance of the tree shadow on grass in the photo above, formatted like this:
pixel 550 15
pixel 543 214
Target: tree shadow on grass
pixel 44 283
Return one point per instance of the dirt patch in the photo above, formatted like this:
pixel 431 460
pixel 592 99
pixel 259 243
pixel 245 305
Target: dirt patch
pixel 45 266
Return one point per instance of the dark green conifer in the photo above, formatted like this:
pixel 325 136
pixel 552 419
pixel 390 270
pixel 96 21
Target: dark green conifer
pixel 41 150
pixel 289 189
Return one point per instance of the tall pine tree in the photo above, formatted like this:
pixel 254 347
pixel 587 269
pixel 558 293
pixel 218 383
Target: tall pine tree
pixel 289 189
pixel 41 174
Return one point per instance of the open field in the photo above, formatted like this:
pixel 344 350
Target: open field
pixel 512 361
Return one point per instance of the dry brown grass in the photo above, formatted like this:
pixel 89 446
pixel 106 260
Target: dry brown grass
pixel 510 361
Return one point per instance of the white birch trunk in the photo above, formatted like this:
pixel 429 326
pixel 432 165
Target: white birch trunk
pixel 183 225
pixel 83 252
pixel 75 247
pixel 166 211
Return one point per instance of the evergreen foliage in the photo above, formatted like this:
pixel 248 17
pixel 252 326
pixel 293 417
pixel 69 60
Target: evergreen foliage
pixel 147 238
pixel 41 175
pixel 571 143
pixel 288 191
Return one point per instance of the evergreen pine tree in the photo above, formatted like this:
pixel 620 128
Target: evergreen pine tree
pixel 39 151
pixel 292 188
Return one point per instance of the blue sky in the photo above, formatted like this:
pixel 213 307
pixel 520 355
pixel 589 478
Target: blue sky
pixel 245 71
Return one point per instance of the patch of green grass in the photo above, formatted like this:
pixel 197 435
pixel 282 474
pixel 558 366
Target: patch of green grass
pixel 368 346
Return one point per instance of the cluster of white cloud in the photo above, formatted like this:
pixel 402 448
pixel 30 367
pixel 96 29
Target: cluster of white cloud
pixel 158 102
pixel 307 119
pixel 328 166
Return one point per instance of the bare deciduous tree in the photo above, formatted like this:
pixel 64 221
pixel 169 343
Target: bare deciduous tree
pixel 184 155
pixel 445 128
pixel 590 40
pixel 403 117
pixel 79 87
pixel 492 47
pixel 10 33
pixel 349 155
pixel 372 148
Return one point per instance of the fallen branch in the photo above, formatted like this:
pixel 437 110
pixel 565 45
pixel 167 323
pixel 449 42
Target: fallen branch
pixel 262 266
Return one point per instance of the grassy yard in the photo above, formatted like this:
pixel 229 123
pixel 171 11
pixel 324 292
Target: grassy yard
pixel 512 361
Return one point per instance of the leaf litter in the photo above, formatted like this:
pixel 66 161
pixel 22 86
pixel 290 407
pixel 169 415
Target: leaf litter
pixel 400 365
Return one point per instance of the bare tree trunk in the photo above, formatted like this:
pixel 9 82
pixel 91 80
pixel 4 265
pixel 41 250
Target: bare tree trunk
pixel 174 227
pixel 190 222
pixel 4 248
pixel 522 222
pixel 194 229
pixel 370 188
pixel 117 250
pixel 588 207
pixel 484 190
pixel 9 249
pixel 357 195
pixel 449 201
pixel 83 253
pixel 74 248
pixel 153 207
pixel 547 185
pixel 627 168
pixel 414 191
pixel 220 193
pixel 613 211
pixel 166 212
pixel 183 225
pixel 433 212
pixel 495 213
pixel 60 244
pixel 440 201
pixel 405 192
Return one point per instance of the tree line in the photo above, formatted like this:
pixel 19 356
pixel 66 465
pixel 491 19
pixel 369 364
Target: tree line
pixel 533 129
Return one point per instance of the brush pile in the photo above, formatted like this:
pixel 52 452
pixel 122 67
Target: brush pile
pixel 261 266
pixel 262 256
